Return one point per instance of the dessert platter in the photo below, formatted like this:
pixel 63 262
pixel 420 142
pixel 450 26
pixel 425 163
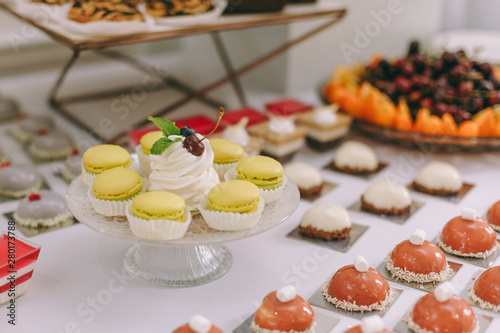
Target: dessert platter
pixel 433 102
pixel 178 233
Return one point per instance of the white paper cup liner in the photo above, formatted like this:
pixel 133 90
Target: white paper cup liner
pixel 230 174
pixel 112 207
pixel 88 178
pixel 144 161
pixel 223 168
pixel 157 229
pixel 273 195
pixel 226 221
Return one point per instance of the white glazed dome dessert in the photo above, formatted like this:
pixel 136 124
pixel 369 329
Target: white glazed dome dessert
pixel 306 177
pixel 42 209
pixel 19 180
pixel 327 221
pixel 386 197
pixel 355 157
pixel 28 128
pixel 53 145
pixel 438 178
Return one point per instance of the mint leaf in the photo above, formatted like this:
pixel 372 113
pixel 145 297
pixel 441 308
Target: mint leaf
pixel 161 145
pixel 166 126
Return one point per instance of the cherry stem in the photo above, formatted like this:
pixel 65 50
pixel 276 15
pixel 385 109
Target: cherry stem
pixel 221 114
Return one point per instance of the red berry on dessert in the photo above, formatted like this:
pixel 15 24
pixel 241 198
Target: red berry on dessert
pixel 485 292
pixel 198 324
pixel 358 287
pixel 372 324
pixel 442 311
pixel 284 311
pixel 493 216
pixel 468 236
pixel 418 260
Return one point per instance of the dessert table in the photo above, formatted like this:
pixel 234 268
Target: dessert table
pixel 80 285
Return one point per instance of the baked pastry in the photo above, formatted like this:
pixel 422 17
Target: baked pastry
pixel 468 236
pixel 86 11
pixel 265 172
pixel 113 190
pixel 438 178
pixel 30 127
pixel 101 158
pixel 54 145
pixel 226 155
pixel 493 216
pixel 386 197
pixel 327 221
pixel 233 205
pixel 418 260
pixel 358 287
pixel 9 109
pixel 485 292
pixel 158 216
pixel 287 108
pixel 284 311
pixel 306 177
pixel 167 8
pixel 42 209
pixel 143 149
pixel 442 311
pixel 18 181
pixel 72 167
pixel 325 127
pixel 198 324
pixel 371 324
pixel 237 133
pixel 282 138
pixel 355 158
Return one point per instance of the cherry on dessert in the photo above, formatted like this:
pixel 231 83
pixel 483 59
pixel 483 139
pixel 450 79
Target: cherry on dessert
pixel 5 164
pixel 74 152
pixel 187 131
pixel 193 145
pixel 34 197
pixel 42 132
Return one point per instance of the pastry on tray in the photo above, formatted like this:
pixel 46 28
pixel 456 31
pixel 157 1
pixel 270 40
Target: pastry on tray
pixel 158 215
pixel 438 178
pixel 493 216
pixel 386 197
pixel 326 220
pixel 468 236
pixel 418 260
pixel 86 11
pixel 355 157
pixel 358 287
pixel 17 181
pixel 198 324
pixel 485 291
pixel 371 324
pixel 54 145
pixel 233 205
pixel 284 311
pixel 307 178
pixel 42 209
pixel 442 311
pixel 166 8
pixel 28 128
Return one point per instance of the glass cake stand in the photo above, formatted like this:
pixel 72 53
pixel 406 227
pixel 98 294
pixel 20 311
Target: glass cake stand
pixel 197 258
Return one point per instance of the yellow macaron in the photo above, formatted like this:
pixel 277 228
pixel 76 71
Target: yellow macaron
pixel 100 158
pixel 226 151
pixel 149 139
pixel 263 171
pixel 236 196
pixel 117 184
pixel 158 205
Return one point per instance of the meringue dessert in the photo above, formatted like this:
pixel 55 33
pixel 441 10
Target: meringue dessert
pixel 358 287
pixel 306 177
pixel 442 311
pixel 438 178
pixel 325 127
pixel 355 158
pixel 386 197
pixel 284 311
pixel 418 260
pixel 468 236
pixel 327 221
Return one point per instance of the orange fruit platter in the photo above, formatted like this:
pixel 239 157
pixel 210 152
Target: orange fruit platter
pixel 441 102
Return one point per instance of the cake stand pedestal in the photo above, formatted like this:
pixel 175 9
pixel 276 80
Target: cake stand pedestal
pixel 197 258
